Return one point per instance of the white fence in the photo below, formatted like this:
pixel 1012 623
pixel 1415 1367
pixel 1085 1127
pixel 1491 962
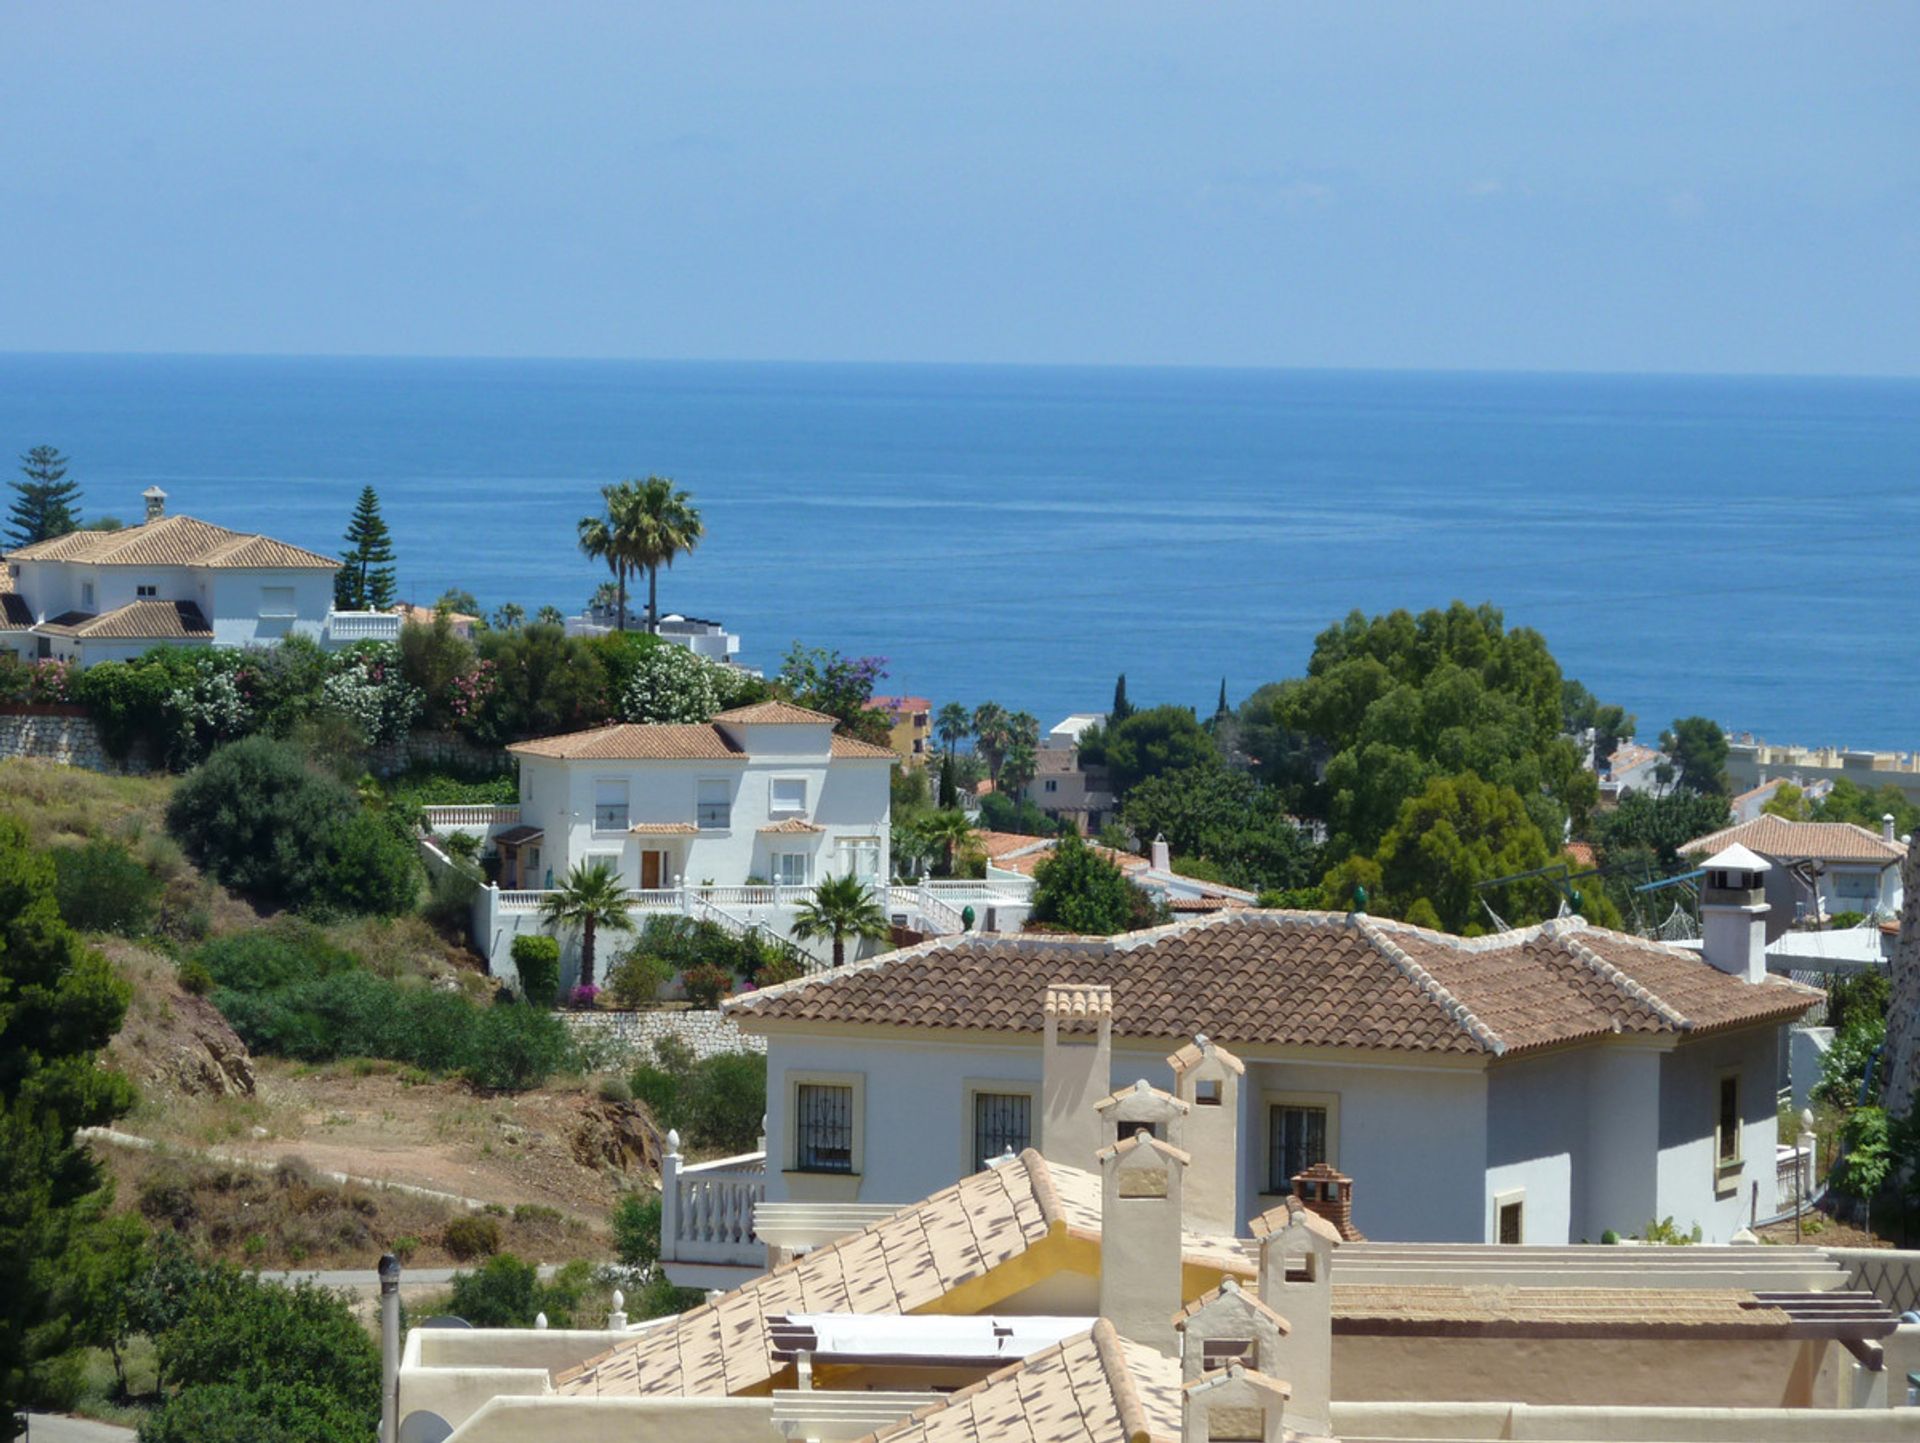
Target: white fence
pixel 479 819
pixel 345 627
pixel 706 1209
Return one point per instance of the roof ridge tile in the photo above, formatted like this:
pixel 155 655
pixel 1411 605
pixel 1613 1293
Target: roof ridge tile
pixel 1601 967
pixel 1431 985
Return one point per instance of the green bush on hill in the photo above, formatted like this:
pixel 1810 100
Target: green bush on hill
pixel 102 887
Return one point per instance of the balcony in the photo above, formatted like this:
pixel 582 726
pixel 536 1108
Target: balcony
pixel 346 627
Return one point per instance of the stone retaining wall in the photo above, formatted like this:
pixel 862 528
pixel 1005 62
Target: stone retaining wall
pixel 436 751
pixel 632 1034
pixel 67 736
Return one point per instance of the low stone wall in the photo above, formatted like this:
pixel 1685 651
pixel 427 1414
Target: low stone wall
pixel 65 735
pixel 632 1034
pixel 435 751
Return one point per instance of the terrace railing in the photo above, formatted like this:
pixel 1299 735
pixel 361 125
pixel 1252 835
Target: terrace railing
pixel 706 1209
pixel 349 626
pixel 481 818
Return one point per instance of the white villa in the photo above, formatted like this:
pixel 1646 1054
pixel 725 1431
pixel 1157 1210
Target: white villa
pixel 1541 1086
pixel 1818 868
pixel 734 821
pixel 92 596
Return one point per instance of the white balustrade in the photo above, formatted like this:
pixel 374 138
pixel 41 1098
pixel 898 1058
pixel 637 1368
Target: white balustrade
pixel 363 626
pixel 467 818
pixel 521 901
pixel 706 1213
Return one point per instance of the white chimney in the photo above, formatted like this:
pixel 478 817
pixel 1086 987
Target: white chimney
pixel 1296 1281
pixel 156 500
pixel 1886 826
pixel 1234 1402
pixel 1140 1238
pixel 1733 913
pixel 1162 855
pixel 1207 1079
pixel 1143 1106
pixel 1076 1070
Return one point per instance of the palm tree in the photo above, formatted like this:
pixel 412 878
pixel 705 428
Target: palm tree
pixel 663 524
pixel 599 538
pixel 591 897
pixel 1020 765
pixel 953 726
pixel 840 907
pixel 950 831
pixel 992 734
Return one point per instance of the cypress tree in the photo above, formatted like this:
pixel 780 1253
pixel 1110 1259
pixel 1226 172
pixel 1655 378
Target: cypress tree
pixel 1122 708
pixel 949 785
pixel 45 504
pixel 366 581
pixel 1221 710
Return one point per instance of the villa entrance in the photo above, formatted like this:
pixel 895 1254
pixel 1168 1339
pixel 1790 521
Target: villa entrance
pixel 653 871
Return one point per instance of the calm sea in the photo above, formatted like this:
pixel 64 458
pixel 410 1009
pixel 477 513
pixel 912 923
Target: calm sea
pixel 1743 548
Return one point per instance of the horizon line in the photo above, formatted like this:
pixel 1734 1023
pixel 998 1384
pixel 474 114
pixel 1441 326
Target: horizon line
pixel 936 364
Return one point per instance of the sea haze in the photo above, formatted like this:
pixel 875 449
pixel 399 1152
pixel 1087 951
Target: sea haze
pixel 1745 548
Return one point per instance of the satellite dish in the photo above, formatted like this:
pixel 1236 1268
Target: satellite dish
pixel 424 1427
pixel 446 1320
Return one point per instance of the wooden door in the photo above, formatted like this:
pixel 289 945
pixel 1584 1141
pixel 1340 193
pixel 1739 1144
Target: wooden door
pixel 651 868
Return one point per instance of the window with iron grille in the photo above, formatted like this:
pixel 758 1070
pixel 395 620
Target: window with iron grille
pixel 824 1130
pixel 609 804
pixel 713 806
pixel 1001 1120
pixel 1296 1140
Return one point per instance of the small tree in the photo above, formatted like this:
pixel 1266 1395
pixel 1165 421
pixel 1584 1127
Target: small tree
pixel 840 907
pixel 591 897
pixel 366 581
pixel 1079 890
pixel 1122 708
pixel 537 959
pixel 45 503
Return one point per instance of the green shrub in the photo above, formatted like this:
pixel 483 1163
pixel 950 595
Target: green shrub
pixel 507 1293
pixel 536 958
pixel 706 984
pixel 471 1237
pixel 101 887
pixel 515 1048
pixel 636 1231
pixel 195 979
pixel 782 967
pixel 726 1101
pixel 614 1089
pixel 660 1092
pixel 286 952
pixel 263 822
pixel 636 979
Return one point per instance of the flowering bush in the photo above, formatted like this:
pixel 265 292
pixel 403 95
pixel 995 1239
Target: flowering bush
pixel 470 692
pixel 586 996
pixel 671 684
pixel 369 690
pixel 213 706
pixel 49 682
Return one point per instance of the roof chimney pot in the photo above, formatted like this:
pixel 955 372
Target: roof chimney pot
pixel 1886 826
pixel 156 500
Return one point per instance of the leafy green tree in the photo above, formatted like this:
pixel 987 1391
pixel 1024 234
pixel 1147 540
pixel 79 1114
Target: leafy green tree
pixel 1582 711
pixel 1078 890
pixel 1847 801
pixel 505 1292
pixel 45 503
pixel 1457 833
pixel 241 1359
pixel 457 601
pixel 1122 708
pixel 1699 751
pixel 724 1101
pixel 60 1003
pixel 952 725
pixel 840 908
pixel 542 682
pixel 591 896
pixel 1160 739
pixel 840 686
pixel 1790 802
pixel 365 580
pixel 1659 825
pixel 1227 819
pixel 434 660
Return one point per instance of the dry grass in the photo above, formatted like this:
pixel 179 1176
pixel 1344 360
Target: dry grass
pixel 289 1217
pixel 65 804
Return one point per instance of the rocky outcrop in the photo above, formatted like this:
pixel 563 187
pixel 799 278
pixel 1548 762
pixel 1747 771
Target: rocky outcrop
pixel 185 1046
pixel 1900 1063
pixel 617 1136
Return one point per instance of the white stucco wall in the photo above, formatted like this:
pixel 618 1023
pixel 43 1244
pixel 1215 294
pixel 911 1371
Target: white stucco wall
pixel 1619 1188
pixel 233 599
pixel 1690 1077
pixel 1537 1143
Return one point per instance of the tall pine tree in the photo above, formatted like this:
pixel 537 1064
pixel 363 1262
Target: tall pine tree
pixel 45 503
pixel 366 581
pixel 1221 709
pixel 1122 708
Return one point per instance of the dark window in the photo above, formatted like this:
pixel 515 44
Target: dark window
pixel 1207 1093
pixel 1510 1223
pixel 1218 1352
pixel 1124 1130
pixel 1729 1119
pixel 1296 1140
pixel 1001 1120
pixel 825 1131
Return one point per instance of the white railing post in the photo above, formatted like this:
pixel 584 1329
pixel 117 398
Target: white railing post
pixel 686 896
pixel 670 1196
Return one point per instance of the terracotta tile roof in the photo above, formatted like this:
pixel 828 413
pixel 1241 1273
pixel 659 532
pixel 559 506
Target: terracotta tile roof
pixel 662 829
pixel 1582 853
pixel 173 541
pixel 1013 852
pixel 791 827
pixel 905 1263
pixel 1096 1387
pixel 637 741
pixel 1299 979
pixel 427 615
pixel 854 747
pixel 1789 841
pixel 136 621
pixel 897 706
pixel 775 713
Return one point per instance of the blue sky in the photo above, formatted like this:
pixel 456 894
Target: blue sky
pixel 1560 186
